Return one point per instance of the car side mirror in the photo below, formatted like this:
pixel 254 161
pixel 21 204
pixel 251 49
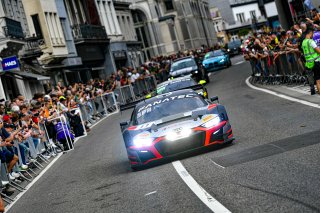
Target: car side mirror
pixel 214 98
pixel 202 82
pixel 122 124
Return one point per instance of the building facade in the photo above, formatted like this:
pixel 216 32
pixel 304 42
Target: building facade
pixel 117 19
pixel 219 25
pixel 14 31
pixel 243 17
pixel 225 10
pixel 167 26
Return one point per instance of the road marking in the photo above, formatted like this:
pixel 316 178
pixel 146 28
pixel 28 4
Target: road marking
pixel 8 207
pixel 150 193
pixel 282 96
pixel 240 62
pixel 217 164
pixel 204 196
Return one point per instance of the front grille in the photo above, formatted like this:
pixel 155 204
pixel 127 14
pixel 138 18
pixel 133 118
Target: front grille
pixel 167 148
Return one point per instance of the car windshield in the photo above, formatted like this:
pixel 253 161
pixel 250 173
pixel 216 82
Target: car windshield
pixel 174 86
pixel 208 55
pixel 183 64
pixel 218 53
pixel 234 44
pixel 167 107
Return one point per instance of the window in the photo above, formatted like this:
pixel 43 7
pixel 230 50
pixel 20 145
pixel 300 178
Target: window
pixel 253 14
pixel 168 4
pixel 240 17
pixel 37 27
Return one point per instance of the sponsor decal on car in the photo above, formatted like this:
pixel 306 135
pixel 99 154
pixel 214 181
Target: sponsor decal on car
pixel 168 99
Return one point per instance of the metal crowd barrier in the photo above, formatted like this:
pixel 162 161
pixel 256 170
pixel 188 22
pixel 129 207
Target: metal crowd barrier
pixel 30 151
pixel 64 131
pixel 110 103
pixel 125 94
pixel 286 68
pixel 142 87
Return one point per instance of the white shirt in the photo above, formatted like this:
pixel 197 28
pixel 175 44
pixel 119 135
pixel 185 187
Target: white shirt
pixel 134 77
pixel 313 44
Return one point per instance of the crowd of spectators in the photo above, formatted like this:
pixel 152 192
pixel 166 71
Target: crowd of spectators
pixel 265 49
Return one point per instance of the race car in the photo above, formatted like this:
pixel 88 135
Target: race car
pixel 188 66
pixel 180 83
pixel 215 60
pixel 171 124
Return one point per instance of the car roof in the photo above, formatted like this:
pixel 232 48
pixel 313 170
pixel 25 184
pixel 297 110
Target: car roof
pixel 184 58
pixel 164 96
pixel 175 80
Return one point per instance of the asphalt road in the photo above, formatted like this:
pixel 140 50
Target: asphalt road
pixel 273 166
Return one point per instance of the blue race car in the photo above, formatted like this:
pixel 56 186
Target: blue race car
pixel 215 60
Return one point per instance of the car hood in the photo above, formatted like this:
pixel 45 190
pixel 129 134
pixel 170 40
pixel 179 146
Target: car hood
pixel 186 120
pixel 214 59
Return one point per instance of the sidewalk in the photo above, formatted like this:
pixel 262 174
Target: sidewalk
pixel 296 91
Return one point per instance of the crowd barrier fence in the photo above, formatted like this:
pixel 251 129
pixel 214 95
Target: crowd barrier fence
pixel 36 151
pixel 286 68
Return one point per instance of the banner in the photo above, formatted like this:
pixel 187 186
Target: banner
pixel 10 63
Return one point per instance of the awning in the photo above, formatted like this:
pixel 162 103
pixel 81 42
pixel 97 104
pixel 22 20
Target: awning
pixel 29 75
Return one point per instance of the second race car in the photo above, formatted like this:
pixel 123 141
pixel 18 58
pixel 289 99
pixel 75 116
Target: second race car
pixel 173 123
pixel 186 82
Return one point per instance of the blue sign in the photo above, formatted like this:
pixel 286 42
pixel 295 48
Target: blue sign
pixel 10 63
pixel 316 37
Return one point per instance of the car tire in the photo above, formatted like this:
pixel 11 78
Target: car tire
pixel 207 78
pixel 137 168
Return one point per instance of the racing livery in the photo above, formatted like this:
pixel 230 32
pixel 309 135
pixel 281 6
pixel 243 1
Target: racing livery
pixel 186 82
pixel 173 123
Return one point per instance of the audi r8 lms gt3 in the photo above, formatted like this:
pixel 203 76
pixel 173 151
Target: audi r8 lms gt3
pixel 215 60
pixel 173 123
pixel 180 83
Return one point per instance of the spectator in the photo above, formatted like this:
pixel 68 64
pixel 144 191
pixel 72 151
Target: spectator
pixel 312 55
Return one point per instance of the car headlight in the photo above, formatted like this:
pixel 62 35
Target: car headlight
pixel 222 60
pixel 139 142
pixel 175 135
pixel 228 50
pixel 195 72
pixel 143 140
pixel 212 122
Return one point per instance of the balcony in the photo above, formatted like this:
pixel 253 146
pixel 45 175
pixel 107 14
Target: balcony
pixel 89 33
pixel 248 22
pixel 237 3
pixel 33 48
pixel 12 28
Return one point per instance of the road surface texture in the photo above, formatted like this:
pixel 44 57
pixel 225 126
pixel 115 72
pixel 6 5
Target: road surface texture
pixel 273 166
